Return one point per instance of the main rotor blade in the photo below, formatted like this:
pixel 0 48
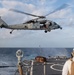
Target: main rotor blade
pixel 26 13
pixel 60 8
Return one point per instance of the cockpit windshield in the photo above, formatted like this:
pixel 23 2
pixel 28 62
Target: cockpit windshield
pixel 55 23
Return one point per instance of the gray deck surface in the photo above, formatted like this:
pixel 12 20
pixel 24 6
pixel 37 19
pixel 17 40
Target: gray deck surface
pixel 52 67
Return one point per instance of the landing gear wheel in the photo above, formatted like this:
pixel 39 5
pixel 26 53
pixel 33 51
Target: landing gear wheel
pixel 10 32
pixel 45 31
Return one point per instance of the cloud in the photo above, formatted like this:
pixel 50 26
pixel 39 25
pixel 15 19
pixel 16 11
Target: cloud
pixel 3 11
pixel 5 34
pixel 42 2
pixel 17 4
pixel 8 4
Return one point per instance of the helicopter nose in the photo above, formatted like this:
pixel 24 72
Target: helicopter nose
pixel 59 27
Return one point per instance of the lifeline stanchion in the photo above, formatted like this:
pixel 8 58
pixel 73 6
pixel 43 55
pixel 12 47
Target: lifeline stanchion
pixel 19 55
pixel 31 71
pixel 44 68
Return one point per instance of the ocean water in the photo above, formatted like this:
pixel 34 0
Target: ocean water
pixel 8 59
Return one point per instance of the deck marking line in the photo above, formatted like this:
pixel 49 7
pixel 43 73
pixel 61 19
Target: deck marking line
pixel 54 68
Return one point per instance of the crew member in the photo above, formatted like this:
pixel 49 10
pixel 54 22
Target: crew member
pixel 68 68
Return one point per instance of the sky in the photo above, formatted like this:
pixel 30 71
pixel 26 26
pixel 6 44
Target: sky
pixel 30 38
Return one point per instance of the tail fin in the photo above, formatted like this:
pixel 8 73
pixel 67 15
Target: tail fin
pixel 2 23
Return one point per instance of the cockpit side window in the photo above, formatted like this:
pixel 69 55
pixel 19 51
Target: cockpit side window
pixel 55 23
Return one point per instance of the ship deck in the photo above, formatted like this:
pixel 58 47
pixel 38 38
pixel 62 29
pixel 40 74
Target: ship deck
pixel 51 67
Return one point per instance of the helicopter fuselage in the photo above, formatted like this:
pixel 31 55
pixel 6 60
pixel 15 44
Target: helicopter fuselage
pixel 35 24
pixel 46 25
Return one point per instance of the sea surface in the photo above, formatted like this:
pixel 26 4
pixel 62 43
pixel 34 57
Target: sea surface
pixel 8 59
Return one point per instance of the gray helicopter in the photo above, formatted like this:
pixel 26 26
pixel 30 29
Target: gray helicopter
pixel 39 23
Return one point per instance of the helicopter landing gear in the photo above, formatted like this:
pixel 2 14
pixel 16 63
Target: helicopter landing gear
pixel 11 32
pixel 45 31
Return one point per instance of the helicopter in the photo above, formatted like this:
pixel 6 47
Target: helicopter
pixel 39 23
